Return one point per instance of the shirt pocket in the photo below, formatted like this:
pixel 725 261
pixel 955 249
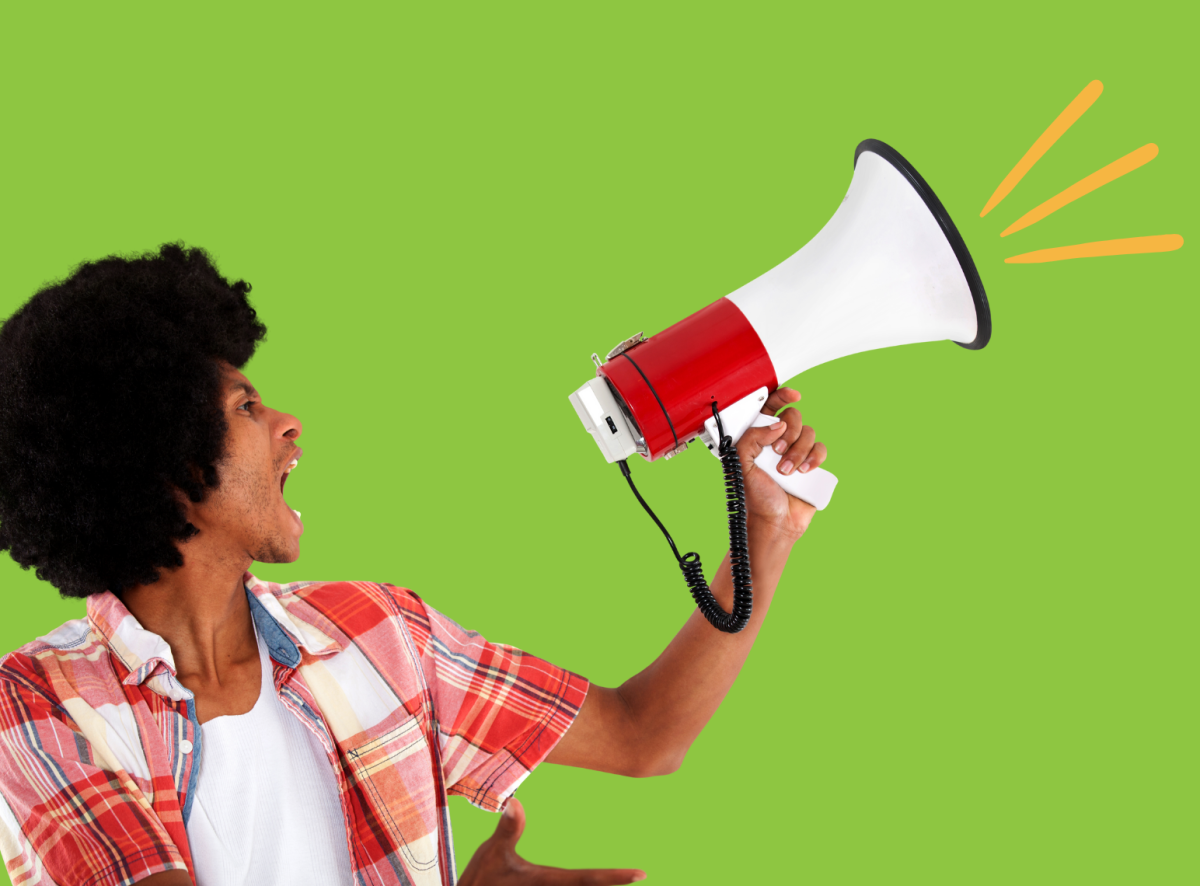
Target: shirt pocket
pixel 392 767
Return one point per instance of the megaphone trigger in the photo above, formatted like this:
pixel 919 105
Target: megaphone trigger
pixel 736 419
pixel 815 486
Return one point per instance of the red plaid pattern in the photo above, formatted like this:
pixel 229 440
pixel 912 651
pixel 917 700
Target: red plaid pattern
pixel 100 747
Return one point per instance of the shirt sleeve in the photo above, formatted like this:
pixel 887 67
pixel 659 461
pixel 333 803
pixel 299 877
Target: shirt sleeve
pixel 500 711
pixel 66 817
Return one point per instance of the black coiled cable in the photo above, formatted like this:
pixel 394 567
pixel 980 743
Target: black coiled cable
pixel 739 554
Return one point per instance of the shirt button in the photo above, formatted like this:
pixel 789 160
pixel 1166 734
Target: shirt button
pixel 185 746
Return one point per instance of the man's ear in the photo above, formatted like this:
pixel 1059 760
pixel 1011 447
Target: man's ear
pixel 186 505
pixel 196 490
pixel 212 480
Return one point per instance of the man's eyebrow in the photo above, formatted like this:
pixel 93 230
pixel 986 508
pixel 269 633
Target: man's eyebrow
pixel 243 386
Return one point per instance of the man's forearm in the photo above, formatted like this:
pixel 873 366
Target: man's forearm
pixel 671 701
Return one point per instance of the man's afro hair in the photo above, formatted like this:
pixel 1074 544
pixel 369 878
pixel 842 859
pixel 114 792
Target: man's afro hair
pixel 110 408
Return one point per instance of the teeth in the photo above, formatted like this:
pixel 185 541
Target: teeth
pixel 291 465
pixel 297 513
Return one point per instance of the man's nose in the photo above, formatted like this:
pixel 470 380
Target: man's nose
pixel 287 425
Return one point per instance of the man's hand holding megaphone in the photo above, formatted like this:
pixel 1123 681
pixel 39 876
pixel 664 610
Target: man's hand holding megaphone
pixel 799 452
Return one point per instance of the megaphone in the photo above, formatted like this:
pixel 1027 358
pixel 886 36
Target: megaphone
pixel 890 268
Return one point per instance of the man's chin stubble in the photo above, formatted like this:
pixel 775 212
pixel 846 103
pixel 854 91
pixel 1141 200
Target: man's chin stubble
pixel 274 551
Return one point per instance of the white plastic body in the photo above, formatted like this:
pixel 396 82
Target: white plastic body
pixel 880 273
pixel 602 417
pixel 815 487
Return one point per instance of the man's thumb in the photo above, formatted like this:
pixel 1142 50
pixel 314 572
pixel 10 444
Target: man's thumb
pixel 512 823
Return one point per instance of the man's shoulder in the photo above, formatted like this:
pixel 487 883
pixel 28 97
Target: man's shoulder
pixel 39 665
pixel 70 636
pixel 355 608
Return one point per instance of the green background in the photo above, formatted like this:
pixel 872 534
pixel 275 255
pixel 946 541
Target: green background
pixel 980 664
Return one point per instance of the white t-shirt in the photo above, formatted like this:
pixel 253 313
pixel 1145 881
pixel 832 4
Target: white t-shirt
pixel 266 809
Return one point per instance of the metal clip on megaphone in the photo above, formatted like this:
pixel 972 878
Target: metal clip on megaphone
pixel 889 268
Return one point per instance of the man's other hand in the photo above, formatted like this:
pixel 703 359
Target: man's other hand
pixel 496 862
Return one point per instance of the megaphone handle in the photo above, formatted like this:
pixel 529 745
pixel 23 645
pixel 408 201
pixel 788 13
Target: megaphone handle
pixel 815 486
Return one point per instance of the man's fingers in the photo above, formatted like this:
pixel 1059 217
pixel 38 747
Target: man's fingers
pixel 781 398
pixel 755 440
pixel 496 863
pixel 814 458
pixel 796 455
pixel 795 424
pixel 512 823
pixel 541 876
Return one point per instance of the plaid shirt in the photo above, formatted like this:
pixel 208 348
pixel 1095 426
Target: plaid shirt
pixel 100 746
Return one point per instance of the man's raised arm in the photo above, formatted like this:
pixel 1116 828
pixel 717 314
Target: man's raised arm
pixel 646 726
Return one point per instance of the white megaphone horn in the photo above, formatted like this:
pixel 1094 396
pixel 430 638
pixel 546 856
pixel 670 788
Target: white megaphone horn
pixel 889 268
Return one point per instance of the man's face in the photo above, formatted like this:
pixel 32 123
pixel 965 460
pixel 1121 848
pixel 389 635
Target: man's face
pixel 246 513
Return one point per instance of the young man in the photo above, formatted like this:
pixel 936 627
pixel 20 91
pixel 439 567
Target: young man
pixel 201 724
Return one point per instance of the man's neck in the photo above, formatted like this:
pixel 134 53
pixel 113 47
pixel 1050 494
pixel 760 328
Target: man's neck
pixel 201 610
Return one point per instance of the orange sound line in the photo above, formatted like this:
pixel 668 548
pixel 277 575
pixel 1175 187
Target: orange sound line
pixel 1128 246
pixel 1097 179
pixel 1053 133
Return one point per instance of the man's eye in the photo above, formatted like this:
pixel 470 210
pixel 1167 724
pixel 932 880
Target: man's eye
pixel 248 404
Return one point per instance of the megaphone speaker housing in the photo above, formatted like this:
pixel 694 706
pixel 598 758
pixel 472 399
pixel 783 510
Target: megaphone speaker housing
pixel 889 268
pixel 983 313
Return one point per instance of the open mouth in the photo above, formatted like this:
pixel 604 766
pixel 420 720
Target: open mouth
pixel 291 467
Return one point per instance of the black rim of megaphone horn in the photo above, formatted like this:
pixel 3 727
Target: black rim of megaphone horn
pixel 983 314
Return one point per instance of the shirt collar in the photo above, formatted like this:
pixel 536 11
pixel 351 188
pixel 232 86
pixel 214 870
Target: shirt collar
pixel 143 653
pixel 147 656
pixel 276 608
